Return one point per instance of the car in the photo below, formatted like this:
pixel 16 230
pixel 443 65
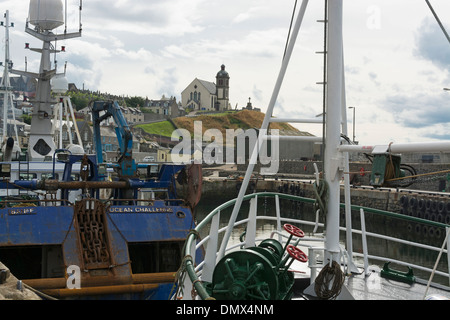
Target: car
pixel 149 159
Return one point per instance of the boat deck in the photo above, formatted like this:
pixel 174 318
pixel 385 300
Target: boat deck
pixel 375 287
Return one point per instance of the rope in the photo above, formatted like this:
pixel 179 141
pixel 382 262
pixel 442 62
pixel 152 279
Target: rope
pixel 420 175
pixel 181 272
pixel 179 278
pixel 321 192
pixel 39 293
pixel 290 29
pixel 329 274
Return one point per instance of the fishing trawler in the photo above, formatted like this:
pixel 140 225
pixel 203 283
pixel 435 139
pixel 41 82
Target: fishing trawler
pixel 89 229
pixel 243 264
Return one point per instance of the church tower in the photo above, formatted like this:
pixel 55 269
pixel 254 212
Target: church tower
pixel 223 89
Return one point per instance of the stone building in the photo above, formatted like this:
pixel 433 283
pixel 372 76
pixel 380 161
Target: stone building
pixel 165 106
pixel 203 95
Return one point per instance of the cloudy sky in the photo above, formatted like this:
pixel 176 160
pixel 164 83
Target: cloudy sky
pixel 397 60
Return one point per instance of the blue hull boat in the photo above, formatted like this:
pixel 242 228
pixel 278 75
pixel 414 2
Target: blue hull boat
pixel 125 246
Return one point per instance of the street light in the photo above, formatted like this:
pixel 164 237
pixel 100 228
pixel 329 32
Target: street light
pixel 354 122
pixel 446 89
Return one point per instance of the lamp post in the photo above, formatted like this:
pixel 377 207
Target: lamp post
pixel 354 122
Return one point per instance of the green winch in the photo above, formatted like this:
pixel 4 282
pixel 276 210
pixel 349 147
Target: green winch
pixel 258 273
pixel 385 166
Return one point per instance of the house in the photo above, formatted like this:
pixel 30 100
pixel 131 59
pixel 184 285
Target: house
pixel 208 96
pixel 164 106
pixel 86 134
pixel 164 155
pixel 23 85
pixel 84 113
pixel 131 115
pixel 108 137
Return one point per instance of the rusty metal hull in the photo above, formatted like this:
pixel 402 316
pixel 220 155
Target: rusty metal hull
pixel 96 237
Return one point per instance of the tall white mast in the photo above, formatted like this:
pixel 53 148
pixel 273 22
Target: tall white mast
pixel 334 160
pixel 45 15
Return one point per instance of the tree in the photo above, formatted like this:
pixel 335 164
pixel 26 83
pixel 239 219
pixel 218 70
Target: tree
pixel 135 102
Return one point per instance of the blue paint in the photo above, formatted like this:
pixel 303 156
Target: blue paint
pixel 34 225
pixel 153 226
pixel 166 220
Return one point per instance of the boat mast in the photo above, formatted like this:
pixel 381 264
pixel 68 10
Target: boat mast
pixel 45 18
pixel 334 161
pixel 5 86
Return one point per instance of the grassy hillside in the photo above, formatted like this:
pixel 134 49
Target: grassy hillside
pixel 164 128
pixel 244 119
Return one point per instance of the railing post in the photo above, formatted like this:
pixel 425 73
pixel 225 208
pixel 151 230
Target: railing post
pixel 312 265
pixel 447 231
pixel 250 236
pixel 188 284
pixel 277 209
pixel 364 241
pixel 211 249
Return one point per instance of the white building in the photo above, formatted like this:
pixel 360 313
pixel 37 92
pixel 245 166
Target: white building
pixel 208 96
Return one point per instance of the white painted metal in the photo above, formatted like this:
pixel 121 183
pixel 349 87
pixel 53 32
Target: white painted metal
pixel 364 241
pixel 60 107
pixel 448 255
pixel 46 15
pixel 295 138
pixel 64 107
pixel 264 126
pixel 347 195
pixel 250 235
pixel 333 162
pixel 437 261
pixel 211 250
pixel 278 213
pixel 318 121
pixel 6 89
pixel 413 147
pixel 68 103
pixel 336 162
pixel 188 285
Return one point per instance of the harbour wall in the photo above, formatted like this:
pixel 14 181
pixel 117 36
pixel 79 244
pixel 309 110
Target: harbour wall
pixel 432 176
pixel 433 206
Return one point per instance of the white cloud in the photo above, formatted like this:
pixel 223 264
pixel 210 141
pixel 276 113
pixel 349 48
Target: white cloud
pixel 150 48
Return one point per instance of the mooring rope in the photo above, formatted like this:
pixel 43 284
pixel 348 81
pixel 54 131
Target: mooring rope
pixel 329 282
pixel 321 196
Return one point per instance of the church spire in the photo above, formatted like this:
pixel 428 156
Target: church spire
pixel 223 89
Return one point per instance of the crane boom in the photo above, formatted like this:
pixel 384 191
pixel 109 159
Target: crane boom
pixel 101 111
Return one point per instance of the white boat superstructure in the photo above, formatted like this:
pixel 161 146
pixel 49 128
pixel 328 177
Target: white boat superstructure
pixel 50 115
pixel 333 270
pixel 45 16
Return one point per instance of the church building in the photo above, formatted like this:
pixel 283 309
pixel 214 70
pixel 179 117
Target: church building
pixel 203 95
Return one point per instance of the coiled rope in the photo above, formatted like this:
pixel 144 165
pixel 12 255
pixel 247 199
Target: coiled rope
pixel 329 282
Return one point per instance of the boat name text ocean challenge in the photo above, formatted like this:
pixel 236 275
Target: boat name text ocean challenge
pixel 140 210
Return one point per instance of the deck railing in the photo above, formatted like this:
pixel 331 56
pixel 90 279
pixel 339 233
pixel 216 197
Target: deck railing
pixel 202 273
